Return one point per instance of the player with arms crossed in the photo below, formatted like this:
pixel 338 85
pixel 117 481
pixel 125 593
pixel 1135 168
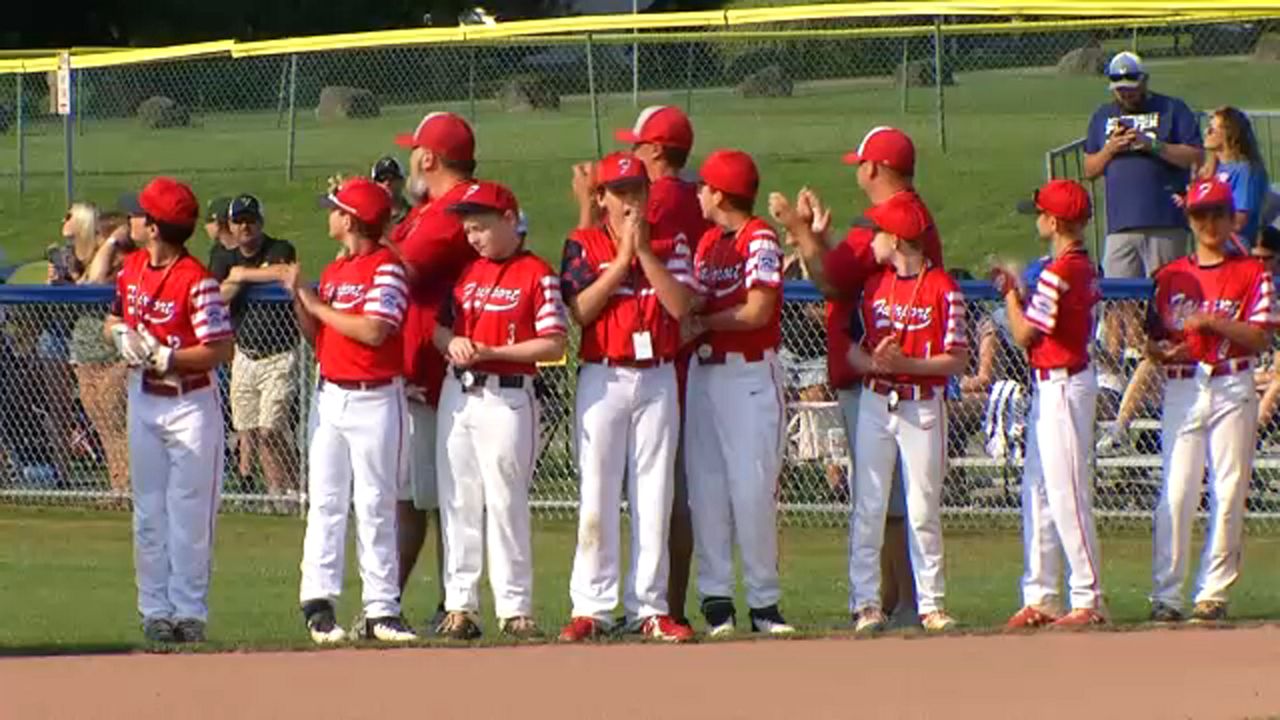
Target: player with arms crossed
pixel 913 314
pixel 505 317
pixel 734 425
pixel 170 325
pixel 359 422
pixel 1057 499
pixel 1212 314
pixel 629 299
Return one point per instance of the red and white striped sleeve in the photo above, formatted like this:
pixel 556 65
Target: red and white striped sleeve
pixel 209 317
pixel 1262 306
pixel 954 315
pixel 549 314
pixel 764 259
pixel 680 263
pixel 1042 312
pixel 388 296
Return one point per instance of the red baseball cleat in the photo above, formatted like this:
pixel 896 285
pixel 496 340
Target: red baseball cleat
pixel 1080 618
pixel 663 627
pixel 1029 617
pixel 581 629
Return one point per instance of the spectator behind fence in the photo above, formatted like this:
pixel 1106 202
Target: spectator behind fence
pixel 99 370
pixel 263 373
pixel 388 173
pixel 1143 144
pixel 217 225
pixel 1233 158
pixel 1268 378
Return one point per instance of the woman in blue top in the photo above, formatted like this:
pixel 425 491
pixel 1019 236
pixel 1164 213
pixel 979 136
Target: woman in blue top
pixel 1234 159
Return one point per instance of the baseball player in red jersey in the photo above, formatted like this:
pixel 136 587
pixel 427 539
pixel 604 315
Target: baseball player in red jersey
pixel 886 163
pixel 629 298
pixel 662 139
pixel 434 250
pixel 913 317
pixel 359 422
pixel 1056 328
pixel 170 325
pixel 507 315
pixel 734 428
pixel 1212 313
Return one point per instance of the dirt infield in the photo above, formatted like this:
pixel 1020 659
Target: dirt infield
pixel 1147 674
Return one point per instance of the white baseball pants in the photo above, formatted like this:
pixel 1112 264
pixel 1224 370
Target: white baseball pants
pixel 733 455
pixel 175 467
pixel 628 425
pixel 484 464
pixel 1057 494
pixel 914 435
pixel 849 400
pixel 358 441
pixel 418 481
pixel 1213 420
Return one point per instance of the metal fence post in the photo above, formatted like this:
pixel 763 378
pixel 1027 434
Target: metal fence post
pixel 79 120
pixel 595 100
pixel 688 81
pixel 69 141
pixel 293 117
pixel 471 84
pixel 1133 42
pixel 20 129
pixel 937 81
pixel 902 72
pixel 635 59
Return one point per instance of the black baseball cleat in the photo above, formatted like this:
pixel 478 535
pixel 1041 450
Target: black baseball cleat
pixel 389 629
pixel 189 630
pixel 769 620
pixel 720 615
pixel 322 623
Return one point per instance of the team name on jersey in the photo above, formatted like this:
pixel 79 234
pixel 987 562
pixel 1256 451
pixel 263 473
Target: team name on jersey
pixel 343 296
pixel 495 299
pixel 905 318
pixel 1183 306
pixel 148 309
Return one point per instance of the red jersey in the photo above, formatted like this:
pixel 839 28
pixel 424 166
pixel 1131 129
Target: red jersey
pixel 1061 308
pixel 504 302
pixel 848 265
pixel 726 266
pixel 179 304
pixel 674 213
pixel 925 311
pixel 435 248
pixel 1238 288
pixel 633 307
pixel 370 284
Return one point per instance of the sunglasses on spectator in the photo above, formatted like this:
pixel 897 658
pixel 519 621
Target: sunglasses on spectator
pixel 245 219
pixel 1126 77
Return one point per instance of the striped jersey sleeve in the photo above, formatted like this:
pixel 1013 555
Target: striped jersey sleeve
pixel 388 296
pixel 954 321
pixel 209 317
pixel 549 315
pixel 764 260
pixel 1262 307
pixel 680 263
pixel 1042 312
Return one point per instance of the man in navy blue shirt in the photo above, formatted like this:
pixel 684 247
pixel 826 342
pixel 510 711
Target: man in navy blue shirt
pixel 1144 144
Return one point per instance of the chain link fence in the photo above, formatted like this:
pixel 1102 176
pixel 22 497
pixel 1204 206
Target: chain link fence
pixel 63 436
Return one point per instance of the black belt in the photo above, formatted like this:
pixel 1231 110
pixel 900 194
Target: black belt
pixel 471 379
pixel 359 384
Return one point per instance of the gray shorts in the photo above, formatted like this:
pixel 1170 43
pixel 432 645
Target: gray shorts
pixel 897 493
pixel 418 477
pixel 1140 252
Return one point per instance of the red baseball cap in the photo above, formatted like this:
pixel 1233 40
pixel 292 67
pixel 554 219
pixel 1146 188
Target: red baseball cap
pixel 443 133
pixel 885 146
pixel 662 125
pixel 1210 193
pixel 906 220
pixel 620 168
pixel 361 198
pixel 484 196
pixel 165 200
pixel 732 172
pixel 1063 199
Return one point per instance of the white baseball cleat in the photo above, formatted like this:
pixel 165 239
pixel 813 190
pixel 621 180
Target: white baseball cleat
pixel 390 629
pixel 869 620
pixel 769 620
pixel 937 621
pixel 724 629
pixel 322 624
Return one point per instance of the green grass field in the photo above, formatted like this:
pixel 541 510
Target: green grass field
pixel 999 125
pixel 66 580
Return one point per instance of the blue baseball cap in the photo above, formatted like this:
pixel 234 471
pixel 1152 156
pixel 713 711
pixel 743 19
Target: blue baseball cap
pixel 1126 71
